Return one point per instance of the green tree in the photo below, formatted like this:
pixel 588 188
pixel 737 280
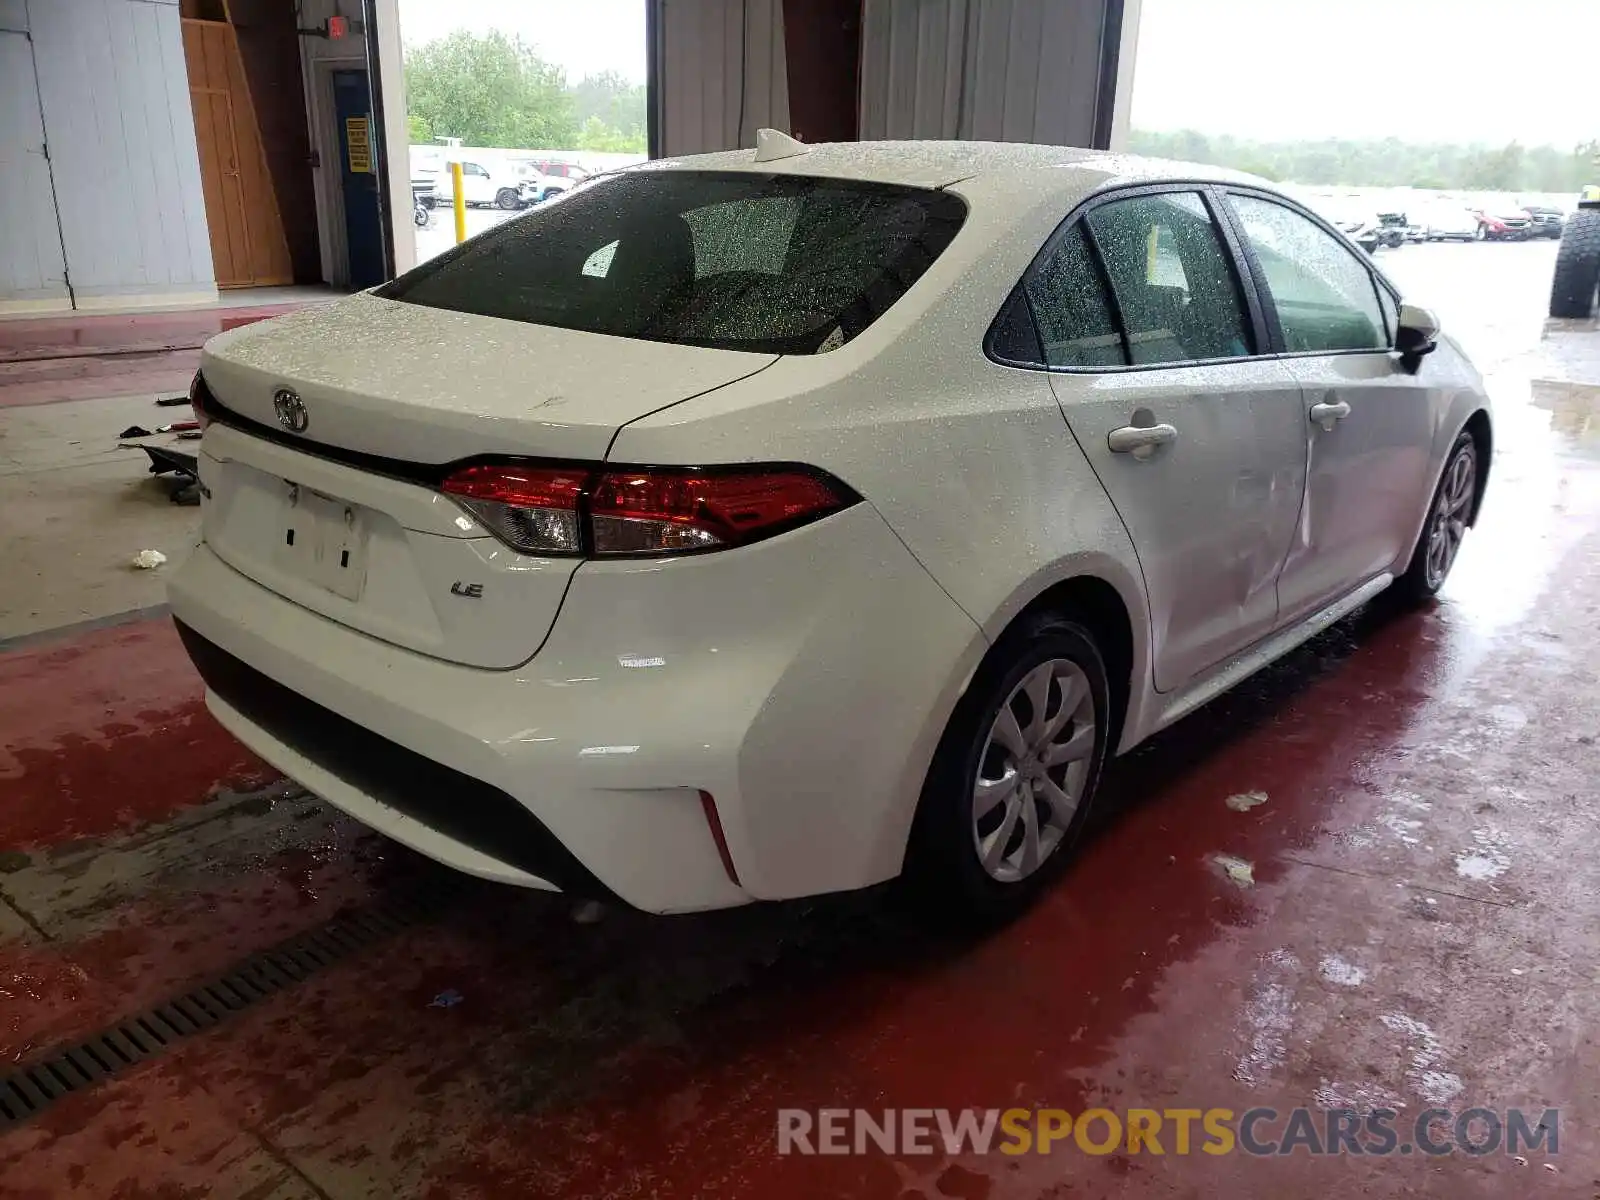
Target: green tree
pixel 492 90
pixel 597 135
pixel 618 103
pixel 1497 170
pixel 1387 162
pixel 418 131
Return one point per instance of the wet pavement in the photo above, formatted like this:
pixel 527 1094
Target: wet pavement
pixel 1417 927
pixel 45 360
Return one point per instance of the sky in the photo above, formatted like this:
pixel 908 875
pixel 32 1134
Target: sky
pixel 584 36
pixel 1419 70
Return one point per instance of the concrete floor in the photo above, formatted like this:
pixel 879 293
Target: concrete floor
pixel 1420 919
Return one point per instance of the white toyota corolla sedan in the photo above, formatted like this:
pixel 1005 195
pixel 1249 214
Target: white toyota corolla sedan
pixel 778 522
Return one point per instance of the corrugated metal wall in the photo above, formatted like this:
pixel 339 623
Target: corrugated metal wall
pixel 1003 70
pixel 32 271
pixel 121 135
pixel 708 51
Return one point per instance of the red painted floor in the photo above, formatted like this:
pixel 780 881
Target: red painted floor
pixel 1421 927
pixel 52 359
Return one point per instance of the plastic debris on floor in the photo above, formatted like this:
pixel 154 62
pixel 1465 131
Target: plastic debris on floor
pixel 1245 801
pixel 148 560
pixel 1237 870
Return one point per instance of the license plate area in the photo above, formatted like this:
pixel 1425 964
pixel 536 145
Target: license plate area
pixel 324 541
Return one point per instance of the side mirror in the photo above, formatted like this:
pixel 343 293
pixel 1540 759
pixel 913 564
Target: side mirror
pixel 1417 335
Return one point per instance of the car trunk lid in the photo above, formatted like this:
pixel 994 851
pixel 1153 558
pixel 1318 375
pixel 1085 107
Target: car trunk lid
pixel 431 385
pixel 343 516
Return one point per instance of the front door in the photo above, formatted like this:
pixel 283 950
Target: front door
pixel 1195 438
pixel 1367 423
pixel 358 175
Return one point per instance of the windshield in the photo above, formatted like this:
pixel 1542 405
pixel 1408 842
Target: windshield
pixel 734 260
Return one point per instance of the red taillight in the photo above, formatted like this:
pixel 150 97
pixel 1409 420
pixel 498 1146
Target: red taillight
pixel 199 393
pixel 641 510
pixel 532 509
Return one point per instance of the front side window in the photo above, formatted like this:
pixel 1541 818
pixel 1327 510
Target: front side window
pixel 1173 279
pixel 736 260
pixel 1325 296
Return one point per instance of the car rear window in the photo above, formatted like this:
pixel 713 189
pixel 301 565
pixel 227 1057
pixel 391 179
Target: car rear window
pixel 780 264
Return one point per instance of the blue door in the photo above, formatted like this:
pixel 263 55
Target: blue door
pixel 358 172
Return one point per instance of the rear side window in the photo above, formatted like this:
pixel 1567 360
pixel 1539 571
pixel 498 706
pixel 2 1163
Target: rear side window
pixel 734 260
pixel 1325 296
pixel 1071 309
pixel 1172 277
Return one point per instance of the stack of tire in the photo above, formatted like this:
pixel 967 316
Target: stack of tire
pixel 1576 289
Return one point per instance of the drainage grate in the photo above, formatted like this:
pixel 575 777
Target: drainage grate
pixel 29 1090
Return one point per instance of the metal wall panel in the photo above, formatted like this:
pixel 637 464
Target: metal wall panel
pixel 127 174
pixel 32 270
pixel 1002 70
pixel 709 52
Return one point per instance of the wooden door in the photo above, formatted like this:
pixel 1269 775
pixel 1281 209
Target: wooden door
pixel 219 178
pixel 248 244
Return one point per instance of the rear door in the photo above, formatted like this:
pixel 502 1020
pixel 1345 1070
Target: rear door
pixel 1367 423
pixel 1195 436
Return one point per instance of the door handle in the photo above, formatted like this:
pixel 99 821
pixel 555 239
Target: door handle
pixel 1141 441
pixel 1328 412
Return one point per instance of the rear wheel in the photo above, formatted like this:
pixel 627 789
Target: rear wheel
pixel 1446 526
pixel 1575 290
pixel 507 198
pixel 1014 776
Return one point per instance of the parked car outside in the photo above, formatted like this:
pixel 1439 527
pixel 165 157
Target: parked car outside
pixel 490 185
pixel 1449 221
pixel 534 187
pixel 560 168
pixel 1544 221
pixel 1503 222
pixel 1393 229
pixel 762 524
pixel 1360 224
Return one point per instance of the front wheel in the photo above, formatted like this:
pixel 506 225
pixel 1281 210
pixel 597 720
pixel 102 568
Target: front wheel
pixel 1014 776
pixel 1446 527
pixel 508 199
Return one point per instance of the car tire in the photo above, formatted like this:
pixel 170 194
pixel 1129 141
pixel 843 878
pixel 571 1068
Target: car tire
pixel 508 199
pixel 946 871
pixel 1575 289
pixel 1450 512
pixel 1480 234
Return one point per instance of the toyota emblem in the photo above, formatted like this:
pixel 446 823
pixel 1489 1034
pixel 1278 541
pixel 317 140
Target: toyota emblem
pixel 291 410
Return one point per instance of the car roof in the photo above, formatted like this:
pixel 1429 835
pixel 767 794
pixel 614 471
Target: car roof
pixel 981 167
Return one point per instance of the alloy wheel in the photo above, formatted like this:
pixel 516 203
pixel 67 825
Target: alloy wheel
pixel 1448 523
pixel 1033 770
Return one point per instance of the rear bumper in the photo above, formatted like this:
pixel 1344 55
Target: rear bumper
pixel 411 797
pixel 802 682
